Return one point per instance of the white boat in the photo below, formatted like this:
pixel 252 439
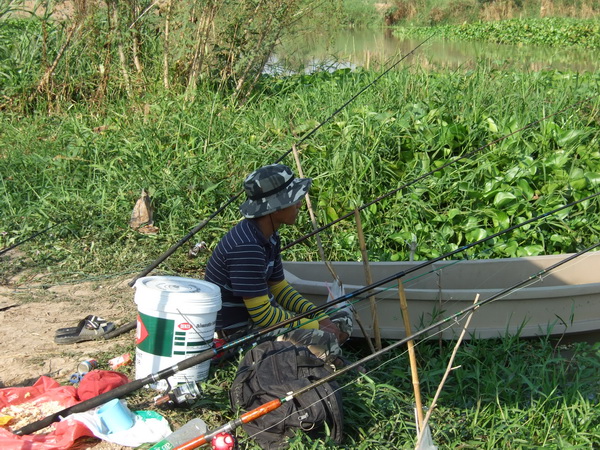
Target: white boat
pixel 563 301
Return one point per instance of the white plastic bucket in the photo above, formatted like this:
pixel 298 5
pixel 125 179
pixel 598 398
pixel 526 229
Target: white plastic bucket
pixel 176 320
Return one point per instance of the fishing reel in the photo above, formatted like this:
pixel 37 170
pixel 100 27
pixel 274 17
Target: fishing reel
pixel 196 249
pixel 224 441
pixel 182 394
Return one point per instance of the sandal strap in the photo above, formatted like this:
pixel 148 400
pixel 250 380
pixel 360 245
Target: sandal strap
pixel 94 322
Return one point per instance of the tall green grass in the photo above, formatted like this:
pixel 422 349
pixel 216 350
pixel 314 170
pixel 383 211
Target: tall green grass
pixel 502 393
pixel 88 168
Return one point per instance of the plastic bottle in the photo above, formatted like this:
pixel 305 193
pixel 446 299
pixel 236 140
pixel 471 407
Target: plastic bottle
pixel 194 428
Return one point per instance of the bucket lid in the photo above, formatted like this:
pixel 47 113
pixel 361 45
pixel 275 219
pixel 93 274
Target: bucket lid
pixel 179 288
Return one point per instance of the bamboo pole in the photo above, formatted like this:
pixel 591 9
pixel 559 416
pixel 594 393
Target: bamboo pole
pixel 369 277
pixel 167 44
pixel 449 368
pixel 411 355
pixel 313 219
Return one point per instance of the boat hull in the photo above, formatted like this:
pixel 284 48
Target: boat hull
pixel 565 301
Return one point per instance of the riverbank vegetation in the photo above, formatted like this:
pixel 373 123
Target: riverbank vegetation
pixel 557 32
pixel 460 12
pixel 82 132
pixel 86 166
pixel 95 51
pixel 105 102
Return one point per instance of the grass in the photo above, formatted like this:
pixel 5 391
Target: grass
pixel 87 169
pixel 504 393
pixel 72 157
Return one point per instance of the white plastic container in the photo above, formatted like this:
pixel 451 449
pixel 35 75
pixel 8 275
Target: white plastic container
pixel 176 320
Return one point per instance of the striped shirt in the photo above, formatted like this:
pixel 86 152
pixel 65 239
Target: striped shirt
pixel 241 265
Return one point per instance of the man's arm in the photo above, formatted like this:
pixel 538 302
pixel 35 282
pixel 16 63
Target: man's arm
pixel 292 300
pixel 263 314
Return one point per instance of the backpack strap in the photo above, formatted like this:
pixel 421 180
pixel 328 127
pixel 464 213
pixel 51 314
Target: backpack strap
pixel 304 360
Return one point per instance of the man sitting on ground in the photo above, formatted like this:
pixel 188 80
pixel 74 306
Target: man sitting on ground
pixel 247 266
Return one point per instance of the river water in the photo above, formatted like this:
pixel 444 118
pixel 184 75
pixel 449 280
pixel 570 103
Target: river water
pixel 375 48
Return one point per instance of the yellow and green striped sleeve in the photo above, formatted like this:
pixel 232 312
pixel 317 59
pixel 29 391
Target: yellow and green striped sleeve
pixel 263 314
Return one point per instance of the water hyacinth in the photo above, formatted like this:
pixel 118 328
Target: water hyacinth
pixel 80 152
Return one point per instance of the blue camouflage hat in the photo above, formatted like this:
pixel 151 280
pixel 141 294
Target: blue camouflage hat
pixel 272 188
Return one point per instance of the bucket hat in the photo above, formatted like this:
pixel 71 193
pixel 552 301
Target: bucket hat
pixel 272 188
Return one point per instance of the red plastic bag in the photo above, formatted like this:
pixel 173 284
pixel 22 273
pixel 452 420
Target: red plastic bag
pixel 98 382
pixel 65 432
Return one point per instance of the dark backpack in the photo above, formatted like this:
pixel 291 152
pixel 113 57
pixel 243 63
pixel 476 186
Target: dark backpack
pixel 274 369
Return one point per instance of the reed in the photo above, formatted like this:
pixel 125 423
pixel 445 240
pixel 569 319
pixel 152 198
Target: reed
pixel 88 169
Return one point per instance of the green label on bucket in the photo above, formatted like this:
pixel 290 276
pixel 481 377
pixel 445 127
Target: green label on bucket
pixel 159 339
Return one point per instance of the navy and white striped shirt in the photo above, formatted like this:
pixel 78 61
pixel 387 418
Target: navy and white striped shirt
pixel 241 265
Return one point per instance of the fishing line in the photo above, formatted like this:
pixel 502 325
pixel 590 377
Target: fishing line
pixel 233 198
pixel 354 302
pixel 442 167
pixel 76 281
pixel 254 336
pixel 274 404
pixel 530 282
pixel 363 307
pixel 3 251
pixel 210 353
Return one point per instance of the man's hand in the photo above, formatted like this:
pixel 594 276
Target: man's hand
pixel 329 326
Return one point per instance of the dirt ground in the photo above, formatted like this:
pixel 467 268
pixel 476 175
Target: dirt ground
pixel 29 317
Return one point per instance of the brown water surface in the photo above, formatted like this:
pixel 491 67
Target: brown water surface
pixel 372 48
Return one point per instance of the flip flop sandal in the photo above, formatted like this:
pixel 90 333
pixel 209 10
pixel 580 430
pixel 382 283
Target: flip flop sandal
pixel 88 329
pixel 94 322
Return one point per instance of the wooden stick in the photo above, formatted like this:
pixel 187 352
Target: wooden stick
pixel 411 355
pixel 313 219
pixel 447 372
pixel 167 44
pixel 50 70
pixel 365 258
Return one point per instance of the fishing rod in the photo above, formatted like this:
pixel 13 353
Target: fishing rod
pixel 431 172
pixel 274 404
pixel 233 198
pixel 3 251
pixel 208 354
pixel 364 206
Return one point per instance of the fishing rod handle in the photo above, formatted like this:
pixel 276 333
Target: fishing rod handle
pixel 232 425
